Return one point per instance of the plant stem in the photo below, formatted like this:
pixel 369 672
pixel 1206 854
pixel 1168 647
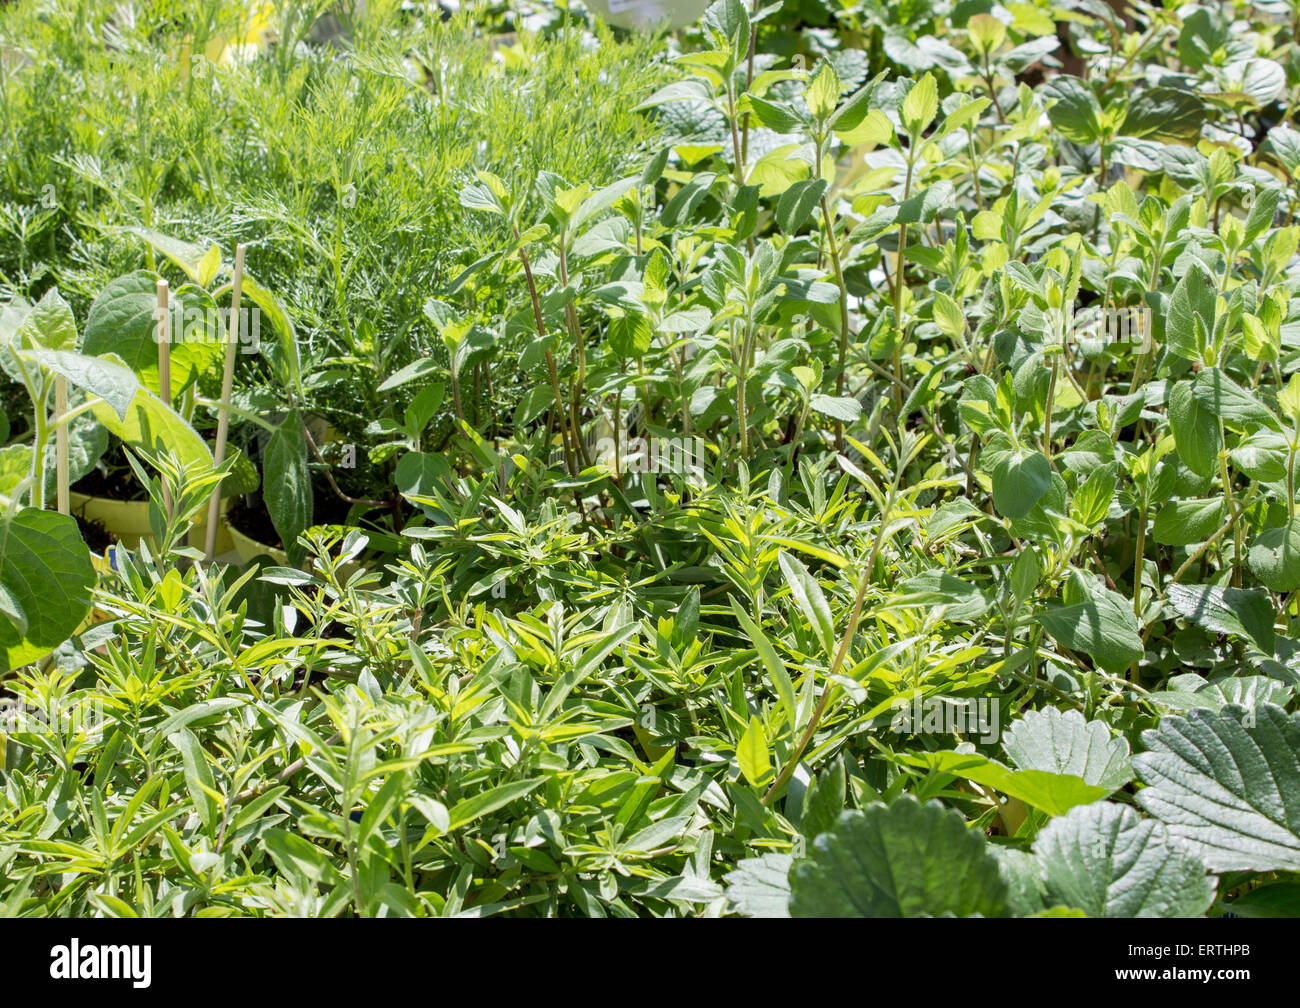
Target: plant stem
pixel 842 651
pixel 838 269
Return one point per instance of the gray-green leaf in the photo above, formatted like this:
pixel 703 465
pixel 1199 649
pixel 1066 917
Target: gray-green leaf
pixel 1229 788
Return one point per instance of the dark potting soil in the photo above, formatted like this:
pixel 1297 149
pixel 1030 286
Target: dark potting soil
pixel 97 537
pixel 117 482
pixel 254 522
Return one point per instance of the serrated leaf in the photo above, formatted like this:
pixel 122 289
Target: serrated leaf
pixel 1109 862
pixel 1062 742
pixel 900 860
pixel 760 886
pixel 1228 789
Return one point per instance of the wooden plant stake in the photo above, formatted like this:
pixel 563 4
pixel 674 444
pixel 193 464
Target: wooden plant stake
pixel 165 371
pixel 61 444
pixel 227 383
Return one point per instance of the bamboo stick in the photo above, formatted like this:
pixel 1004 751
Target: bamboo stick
pixel 165 370
pixel 61 444
pixel 227 384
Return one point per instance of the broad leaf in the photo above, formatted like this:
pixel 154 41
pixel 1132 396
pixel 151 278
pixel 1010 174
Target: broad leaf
pixel 1055 793
pixel 1109 862
pixel 1274 557
pixel 287 482
pixel 1103 627
pixel 1245 613
pixel 46 577
pixel 1062 742
pixel 1228 788
pixel 900 860
pixel 760 886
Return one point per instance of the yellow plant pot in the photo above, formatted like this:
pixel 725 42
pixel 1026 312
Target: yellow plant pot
pixel 128 521
pixel 248 548
pixel 103 565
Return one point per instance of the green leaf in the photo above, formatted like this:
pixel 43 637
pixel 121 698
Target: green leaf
pixel 1261 455
pixel 959 598
pixel 49 325
pixel 123 321
pixel 1181 523
pixel 1195 428
pixel 798 203
pixel 1274 900
pixel 297 857
pixel 1055 793
pixel 823 92
pixel 421 368
pixel 1091 501
pixel 844 408
pixel 46 576
pixel 760 886
pixel 1190 691
pixel 492 799
pixel 1193 298
pixel 286 358
pixel 1231 403
pixel 186 256
pixel 1074 110
pixel 1289 399
pixel 855 110
pixel 1168 114
pixel 105 377
pixel 1020 478
pixel 1227 786
pixel 287 483
pixel 1274 557
pixel 1247 614
pixel 198 775
pixel 807 594
pixel 630 335
pixel 1103 627
pixel 779 118
pixel 1061 742
pixel 987 32
pixel 900 860
pixel 1109 862
pixel 771 662
pixel 753 755
pixel 920 106
pixel 152 425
